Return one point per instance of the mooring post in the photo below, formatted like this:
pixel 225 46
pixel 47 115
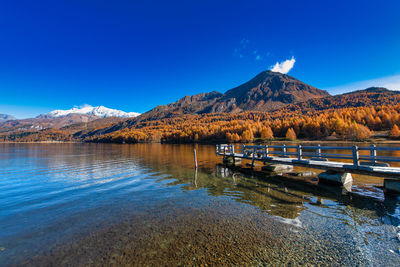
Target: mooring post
pixel 195 159
pixel 299 152
pixel 284 149
pixel 373 154
pixel 356 156
pixel 233 150
pixel 266 150
pixel 319 154
pixel 195 178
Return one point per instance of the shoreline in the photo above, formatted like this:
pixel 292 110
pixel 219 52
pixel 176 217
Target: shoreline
pixel 377 141
pixel 44 142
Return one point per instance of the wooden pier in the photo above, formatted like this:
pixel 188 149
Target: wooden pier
pixel 338 166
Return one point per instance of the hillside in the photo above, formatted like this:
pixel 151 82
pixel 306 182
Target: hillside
pixel 372 108
pixel 370 97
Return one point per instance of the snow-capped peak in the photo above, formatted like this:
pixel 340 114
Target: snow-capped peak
pixel 99 111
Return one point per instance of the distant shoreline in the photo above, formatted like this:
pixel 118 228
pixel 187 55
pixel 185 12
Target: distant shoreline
pixel 378 141
pixel 43 142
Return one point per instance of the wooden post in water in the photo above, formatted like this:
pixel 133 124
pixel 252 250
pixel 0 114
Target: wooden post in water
pixel 319 152
pixel 195 159
pixel 373 154
pixel 299 152
pixel 195 177
pixel 356 156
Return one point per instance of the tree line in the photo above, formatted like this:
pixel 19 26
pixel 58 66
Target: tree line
pixel 357 123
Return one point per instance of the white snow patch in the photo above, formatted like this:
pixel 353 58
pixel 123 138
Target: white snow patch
pixel 99 111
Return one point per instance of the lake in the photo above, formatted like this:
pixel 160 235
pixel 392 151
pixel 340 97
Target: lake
pixel 144 204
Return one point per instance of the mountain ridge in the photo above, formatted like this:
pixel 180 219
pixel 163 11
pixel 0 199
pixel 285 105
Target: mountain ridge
pixel 6 117
pixel 99 111
pixel 58 119
pixel 371 96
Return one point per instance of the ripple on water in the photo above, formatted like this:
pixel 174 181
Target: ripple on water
pixel 86 204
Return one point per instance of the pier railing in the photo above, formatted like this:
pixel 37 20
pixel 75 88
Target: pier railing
pixel 316 152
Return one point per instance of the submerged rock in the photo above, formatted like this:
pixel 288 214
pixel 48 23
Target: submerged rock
pixel 277 168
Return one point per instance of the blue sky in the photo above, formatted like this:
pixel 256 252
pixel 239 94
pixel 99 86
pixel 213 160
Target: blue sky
pixel 134 55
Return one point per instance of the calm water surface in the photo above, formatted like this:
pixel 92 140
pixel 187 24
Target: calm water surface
pixel 103 204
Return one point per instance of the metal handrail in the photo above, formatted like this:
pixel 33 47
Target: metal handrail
pixel 264 151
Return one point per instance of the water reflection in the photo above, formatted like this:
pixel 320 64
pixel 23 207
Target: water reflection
pixel 54 194
pixel 286 198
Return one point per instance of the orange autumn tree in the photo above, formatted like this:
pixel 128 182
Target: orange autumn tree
pixel 290 134
pixel 232 138
pixel 266 133
pixel 358 132
pixel 395 132
pixel 247 136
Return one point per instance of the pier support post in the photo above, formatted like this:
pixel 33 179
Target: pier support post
pixel 339 178
pixel 392 186
pixel 252 160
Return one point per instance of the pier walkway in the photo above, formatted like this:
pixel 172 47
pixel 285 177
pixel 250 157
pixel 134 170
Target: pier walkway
pixel 345 160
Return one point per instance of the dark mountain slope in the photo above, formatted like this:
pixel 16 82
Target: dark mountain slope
pixel 271 90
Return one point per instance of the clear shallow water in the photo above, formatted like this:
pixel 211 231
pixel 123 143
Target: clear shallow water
pixel 103 204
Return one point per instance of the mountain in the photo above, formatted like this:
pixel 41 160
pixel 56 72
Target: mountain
pixel 58 119
pixel 370 97
pixel 265 92
pixel 5 117
pixel 44 122
pixel 175 112
pixel 77 127
pixel 269 91
pixel 100 111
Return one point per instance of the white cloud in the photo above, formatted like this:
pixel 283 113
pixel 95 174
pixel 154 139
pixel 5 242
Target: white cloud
pixel 284 66
pixel 389 82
